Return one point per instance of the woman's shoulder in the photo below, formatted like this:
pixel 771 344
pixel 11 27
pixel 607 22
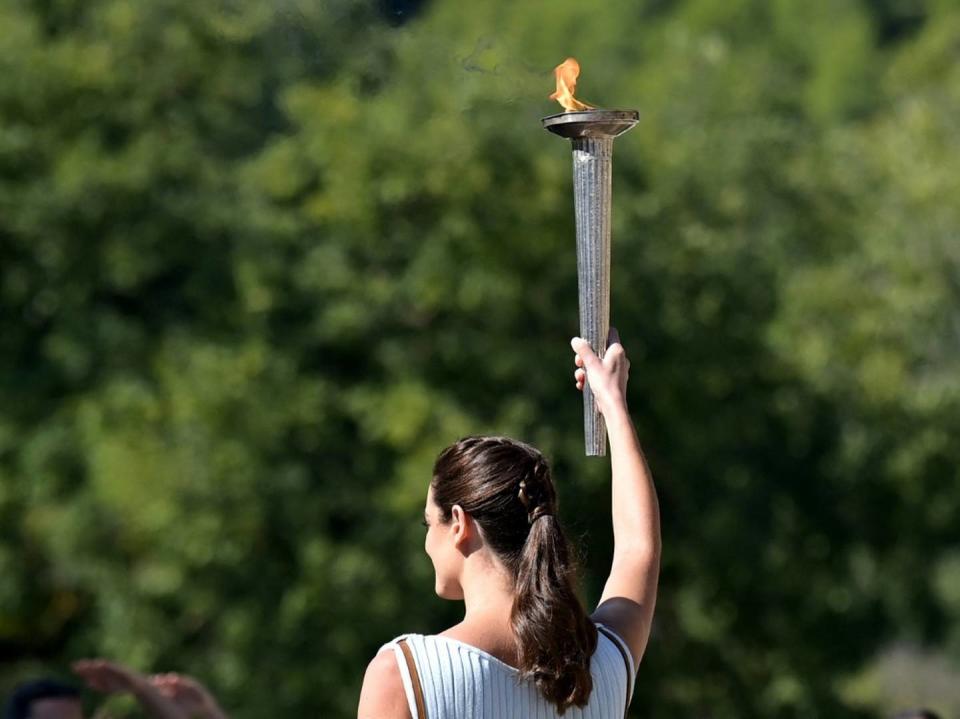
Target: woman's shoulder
pixel 383 694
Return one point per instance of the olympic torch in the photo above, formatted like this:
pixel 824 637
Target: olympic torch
pixel 591 132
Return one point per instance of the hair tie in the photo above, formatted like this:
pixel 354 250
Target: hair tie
pixel 523 496
pixel 541 511
pixel 535 507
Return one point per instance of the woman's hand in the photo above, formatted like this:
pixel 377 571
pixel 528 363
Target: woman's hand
pixel 189 694
pixel 607 377
pixel 111 678
pixel 108 677
pixel 185 691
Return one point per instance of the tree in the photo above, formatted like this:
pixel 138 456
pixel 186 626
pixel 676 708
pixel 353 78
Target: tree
pixel 260 264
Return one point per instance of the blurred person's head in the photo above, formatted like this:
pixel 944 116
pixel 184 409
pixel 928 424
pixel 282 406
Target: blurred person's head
pixel 916 714
pixel 44 699
pixel 491 511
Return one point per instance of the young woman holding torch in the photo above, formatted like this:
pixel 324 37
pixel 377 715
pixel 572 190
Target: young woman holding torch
pixel 526 647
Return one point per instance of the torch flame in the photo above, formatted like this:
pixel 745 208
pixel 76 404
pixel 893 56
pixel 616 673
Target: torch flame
pixel 566 73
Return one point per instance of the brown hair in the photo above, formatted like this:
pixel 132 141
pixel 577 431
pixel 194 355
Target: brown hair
pixel 506 487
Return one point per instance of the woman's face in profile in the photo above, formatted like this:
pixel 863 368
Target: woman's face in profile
pixel 443 553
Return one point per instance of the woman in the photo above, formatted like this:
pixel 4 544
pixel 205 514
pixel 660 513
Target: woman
pixel 525 646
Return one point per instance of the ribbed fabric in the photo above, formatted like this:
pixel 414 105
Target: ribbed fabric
pixel 463 682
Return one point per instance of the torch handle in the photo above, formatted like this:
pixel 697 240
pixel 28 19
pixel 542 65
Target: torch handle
pixel 592 189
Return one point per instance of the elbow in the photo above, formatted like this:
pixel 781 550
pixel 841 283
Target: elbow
pixel 643 553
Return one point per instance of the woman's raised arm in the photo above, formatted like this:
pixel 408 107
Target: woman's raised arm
pixel 630 593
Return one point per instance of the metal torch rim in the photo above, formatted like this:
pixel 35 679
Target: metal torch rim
pixel 591 123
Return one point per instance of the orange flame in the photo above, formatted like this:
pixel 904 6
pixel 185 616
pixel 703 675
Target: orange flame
pixel 566 73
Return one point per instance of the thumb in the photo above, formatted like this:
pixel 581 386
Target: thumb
pixel 582 348
pixel 614 337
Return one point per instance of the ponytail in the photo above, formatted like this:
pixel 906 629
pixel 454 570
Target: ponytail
pixel 506 487
pixel 556 638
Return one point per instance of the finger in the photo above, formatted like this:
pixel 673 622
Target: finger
pixel 87 672
pixel 613 337
pixel 586 353
pixel 95 682
pixel 578 360
pixel 616 356
pixel 88 662
pixel 579 375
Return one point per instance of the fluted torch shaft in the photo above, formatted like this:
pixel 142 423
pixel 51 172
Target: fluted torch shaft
pixel 592 165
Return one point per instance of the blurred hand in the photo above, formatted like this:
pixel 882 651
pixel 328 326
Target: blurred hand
pixel 187 693
pixel 108 677
pixel 607 377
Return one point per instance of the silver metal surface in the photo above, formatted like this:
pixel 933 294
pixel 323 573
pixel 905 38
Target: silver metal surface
pixel 591 198
pixel 591 123
pixel 591 133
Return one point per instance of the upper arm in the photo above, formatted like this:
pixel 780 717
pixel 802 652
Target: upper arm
pixel 382 695
pixel 628 599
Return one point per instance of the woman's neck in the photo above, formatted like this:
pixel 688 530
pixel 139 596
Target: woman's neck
pixel 488 603
pixel 487 594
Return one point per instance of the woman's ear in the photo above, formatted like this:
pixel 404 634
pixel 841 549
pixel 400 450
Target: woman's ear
pixel 460 525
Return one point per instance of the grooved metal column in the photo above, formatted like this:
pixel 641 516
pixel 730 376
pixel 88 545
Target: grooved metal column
pixel 592 163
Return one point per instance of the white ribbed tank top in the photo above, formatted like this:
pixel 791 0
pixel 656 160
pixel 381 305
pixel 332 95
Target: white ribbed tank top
pixel 461 681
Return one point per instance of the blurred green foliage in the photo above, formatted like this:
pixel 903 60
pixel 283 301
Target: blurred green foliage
pixel 260 262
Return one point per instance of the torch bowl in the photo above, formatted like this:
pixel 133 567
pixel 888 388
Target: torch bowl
pixel 591 123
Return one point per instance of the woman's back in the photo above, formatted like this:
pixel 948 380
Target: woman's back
pixel 463 681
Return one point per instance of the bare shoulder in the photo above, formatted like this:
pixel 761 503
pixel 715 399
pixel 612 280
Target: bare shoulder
pixel 382 695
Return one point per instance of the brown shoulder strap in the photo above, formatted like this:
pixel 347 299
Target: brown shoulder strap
pixel 626 662
pixel 414 679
